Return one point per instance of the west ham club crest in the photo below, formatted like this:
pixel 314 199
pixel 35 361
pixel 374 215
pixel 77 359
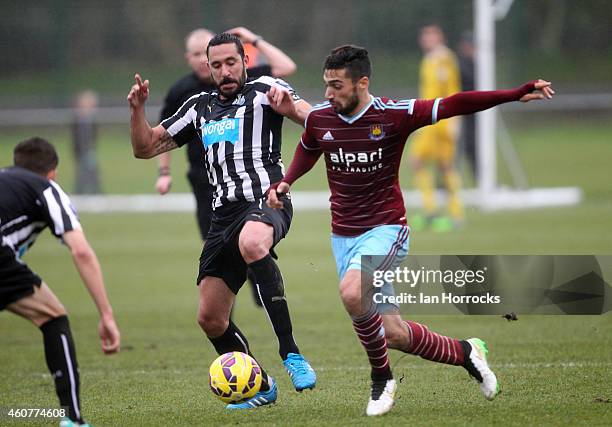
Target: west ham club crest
pixel 377 132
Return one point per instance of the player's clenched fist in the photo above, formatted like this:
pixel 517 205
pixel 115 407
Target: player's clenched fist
pixel 280 100
pixel 139 92
pixel 273 195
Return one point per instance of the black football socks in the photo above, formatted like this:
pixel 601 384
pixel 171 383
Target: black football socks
pixel 269 283
pixel 234 340
pixel 251 280
pixel 62 363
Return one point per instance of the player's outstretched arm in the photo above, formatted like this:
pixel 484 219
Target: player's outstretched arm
pixel 280 63
pixel 87 264
pixel 303 161
pixel 147 142
pixel 474 101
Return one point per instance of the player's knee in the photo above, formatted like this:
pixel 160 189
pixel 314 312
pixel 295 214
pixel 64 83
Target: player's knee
pixel 52 309
pixel 252 247
pixel 48 312
pixel 351 297
pixel 211 324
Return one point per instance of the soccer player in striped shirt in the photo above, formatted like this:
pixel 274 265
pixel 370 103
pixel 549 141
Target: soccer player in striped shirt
pixel 240 127
pixel 278 64
pixel 30 201
pixel 362 138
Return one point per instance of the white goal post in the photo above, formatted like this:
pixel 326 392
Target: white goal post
pixel 491 197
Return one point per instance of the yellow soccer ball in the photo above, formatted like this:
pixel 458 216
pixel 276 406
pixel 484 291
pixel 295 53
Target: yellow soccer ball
pixel 234 377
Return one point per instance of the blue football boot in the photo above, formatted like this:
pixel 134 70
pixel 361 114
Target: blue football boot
pixel 260 399
pixel 301 373
pixel 67 422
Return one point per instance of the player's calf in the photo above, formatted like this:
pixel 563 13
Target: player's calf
pixel 371 334
pixel 396 332
pixel 432 346
pixel 271 290
pixel 60 355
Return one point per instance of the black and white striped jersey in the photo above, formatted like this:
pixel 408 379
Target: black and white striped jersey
pixel 241 139
pixel 28 204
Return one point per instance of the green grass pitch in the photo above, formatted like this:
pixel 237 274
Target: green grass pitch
pixel 554 370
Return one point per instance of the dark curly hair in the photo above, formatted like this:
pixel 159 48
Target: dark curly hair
pixel 224 38
pixel 354 59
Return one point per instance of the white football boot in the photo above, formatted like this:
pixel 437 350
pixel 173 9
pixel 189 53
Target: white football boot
pixel 476 364
pixel 382 397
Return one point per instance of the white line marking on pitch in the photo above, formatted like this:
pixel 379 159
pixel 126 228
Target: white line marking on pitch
pixel 537 365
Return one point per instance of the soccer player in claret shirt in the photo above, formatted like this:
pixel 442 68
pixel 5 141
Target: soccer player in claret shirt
pixel 362 138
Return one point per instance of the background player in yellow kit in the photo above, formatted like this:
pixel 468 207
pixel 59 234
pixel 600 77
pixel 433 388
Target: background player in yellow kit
pixel 439 77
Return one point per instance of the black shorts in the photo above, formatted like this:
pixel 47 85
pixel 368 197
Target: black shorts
pixel 16 279
pixel 221 255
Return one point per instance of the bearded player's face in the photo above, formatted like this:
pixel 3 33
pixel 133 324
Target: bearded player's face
pixel 341 91
pixel 227 68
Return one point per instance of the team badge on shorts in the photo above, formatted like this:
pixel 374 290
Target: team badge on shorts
pixel 377 132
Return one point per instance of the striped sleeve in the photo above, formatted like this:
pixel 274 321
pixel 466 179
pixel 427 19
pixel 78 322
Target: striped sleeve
pixel 308 141
pixel 421 112
pixel 181 125
pixel 59 211
pixel 283 84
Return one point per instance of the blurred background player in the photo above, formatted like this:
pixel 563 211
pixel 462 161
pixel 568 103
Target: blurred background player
pixel 362 139
pixel 439 77
pixel 30 201
pixel 84 136
pixel 265 59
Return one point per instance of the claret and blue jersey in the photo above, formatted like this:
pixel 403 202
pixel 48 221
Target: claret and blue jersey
pixel 362 156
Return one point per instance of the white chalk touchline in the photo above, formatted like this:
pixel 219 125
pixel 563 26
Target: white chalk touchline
pixel 536 365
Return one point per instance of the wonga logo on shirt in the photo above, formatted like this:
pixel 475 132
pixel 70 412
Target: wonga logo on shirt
pixel 226 130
